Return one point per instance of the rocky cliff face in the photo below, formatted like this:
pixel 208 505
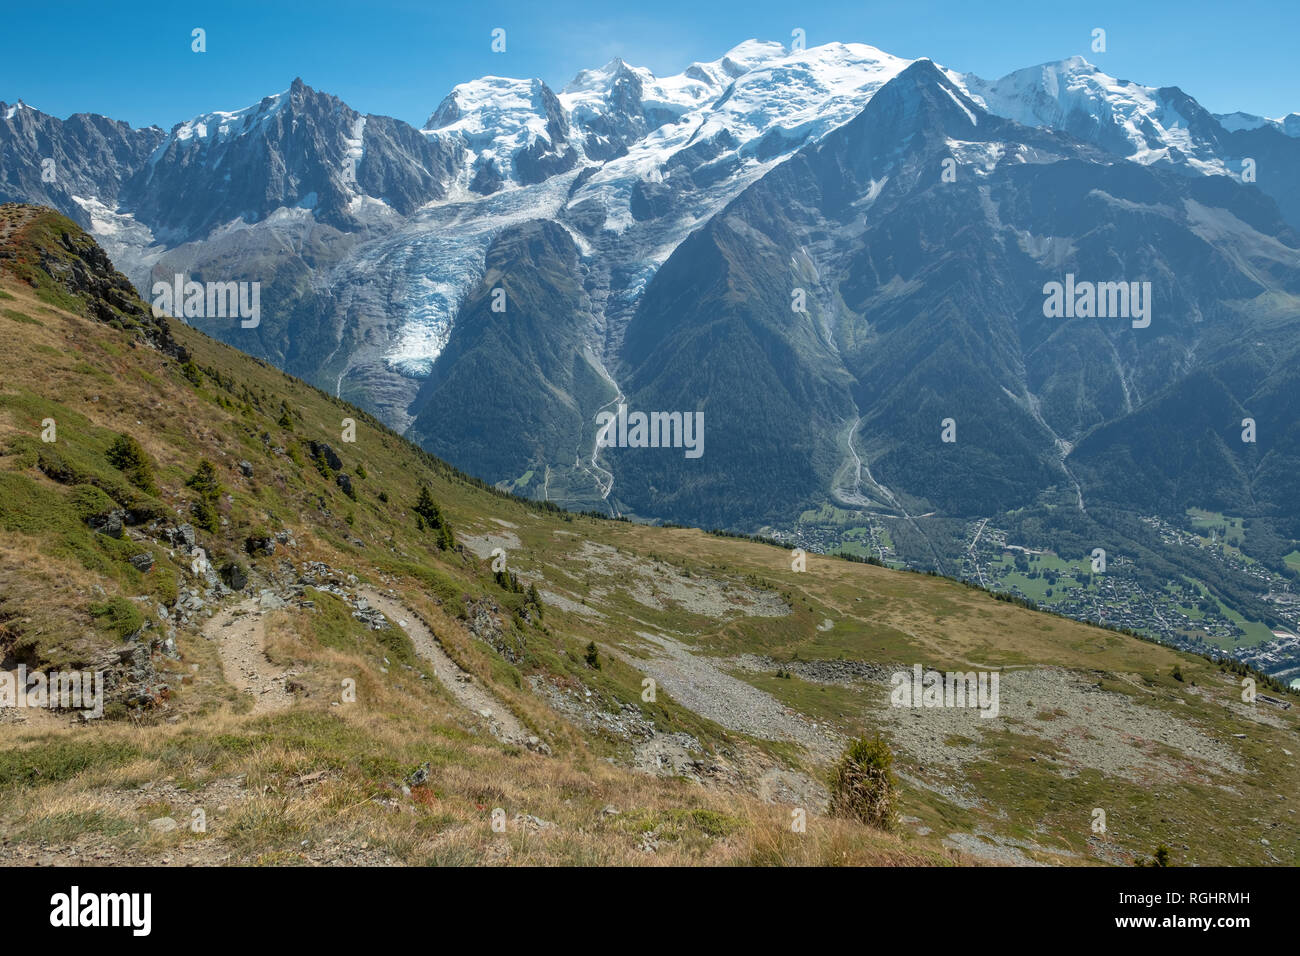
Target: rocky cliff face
pixel 297 150
pixel 79 166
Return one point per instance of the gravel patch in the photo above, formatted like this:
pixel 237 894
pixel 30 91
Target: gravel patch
pixel 483 544
pixel 1091 728
pixel 700 685
pixel 658 585
pixel 563 603
pixel 841 673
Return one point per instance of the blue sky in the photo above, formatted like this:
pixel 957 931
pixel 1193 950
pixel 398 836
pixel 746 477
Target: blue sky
pixel 132 60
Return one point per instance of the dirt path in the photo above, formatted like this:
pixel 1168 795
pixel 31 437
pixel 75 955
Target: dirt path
pixel 459 682
pixel 240 635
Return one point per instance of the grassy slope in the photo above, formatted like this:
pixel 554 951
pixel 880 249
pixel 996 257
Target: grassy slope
pixel 62 784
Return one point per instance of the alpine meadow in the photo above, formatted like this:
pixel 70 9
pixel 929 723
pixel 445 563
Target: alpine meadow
pixel 805 456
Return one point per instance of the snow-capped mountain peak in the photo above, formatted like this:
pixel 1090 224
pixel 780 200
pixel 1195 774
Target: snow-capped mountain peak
pixel 8 112
pixel 784 99
pixel 220 126
pixel 515 131
pixel 1140 123
pixel 472 107
pixel 601 80
pixel 1233 122
pixel 747 56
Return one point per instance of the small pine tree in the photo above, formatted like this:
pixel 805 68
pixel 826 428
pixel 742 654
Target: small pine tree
pixel 1161 858
pixel 204 482
pixel 533 600
pixel 427 508
pixel 428 514
pixel 322 466
pixel 592 657
pixel 205 516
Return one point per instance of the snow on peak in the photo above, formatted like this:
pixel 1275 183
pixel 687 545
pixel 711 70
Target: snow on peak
pixel 601 80
pixel 1232 122
pixel 802 93
pixel 495 116
pixel 735 62
pixel 1141 123
pixel 220 126
pixel 1045 95
pixel 751 54
pixel 621 112
pixel 471 107
pixel 634 94
pixel 591 90
pixel 1073 64
pixel 786 100
pixel 11 111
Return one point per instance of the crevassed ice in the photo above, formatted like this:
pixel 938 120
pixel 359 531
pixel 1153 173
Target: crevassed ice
pixel 436 276
pixel 439 259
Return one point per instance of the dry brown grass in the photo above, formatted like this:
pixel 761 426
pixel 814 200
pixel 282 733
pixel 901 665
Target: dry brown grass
pixel 259 810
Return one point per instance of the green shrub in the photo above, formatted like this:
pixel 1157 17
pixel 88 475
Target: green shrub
pixel 119 615
pixel 126 455
pixel 90 502
pixel 54 466
pixel 534 601
pixel 863 785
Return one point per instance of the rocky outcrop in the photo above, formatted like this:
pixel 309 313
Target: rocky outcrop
pixel 483 619
pixel 322 452
pixel 77 264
